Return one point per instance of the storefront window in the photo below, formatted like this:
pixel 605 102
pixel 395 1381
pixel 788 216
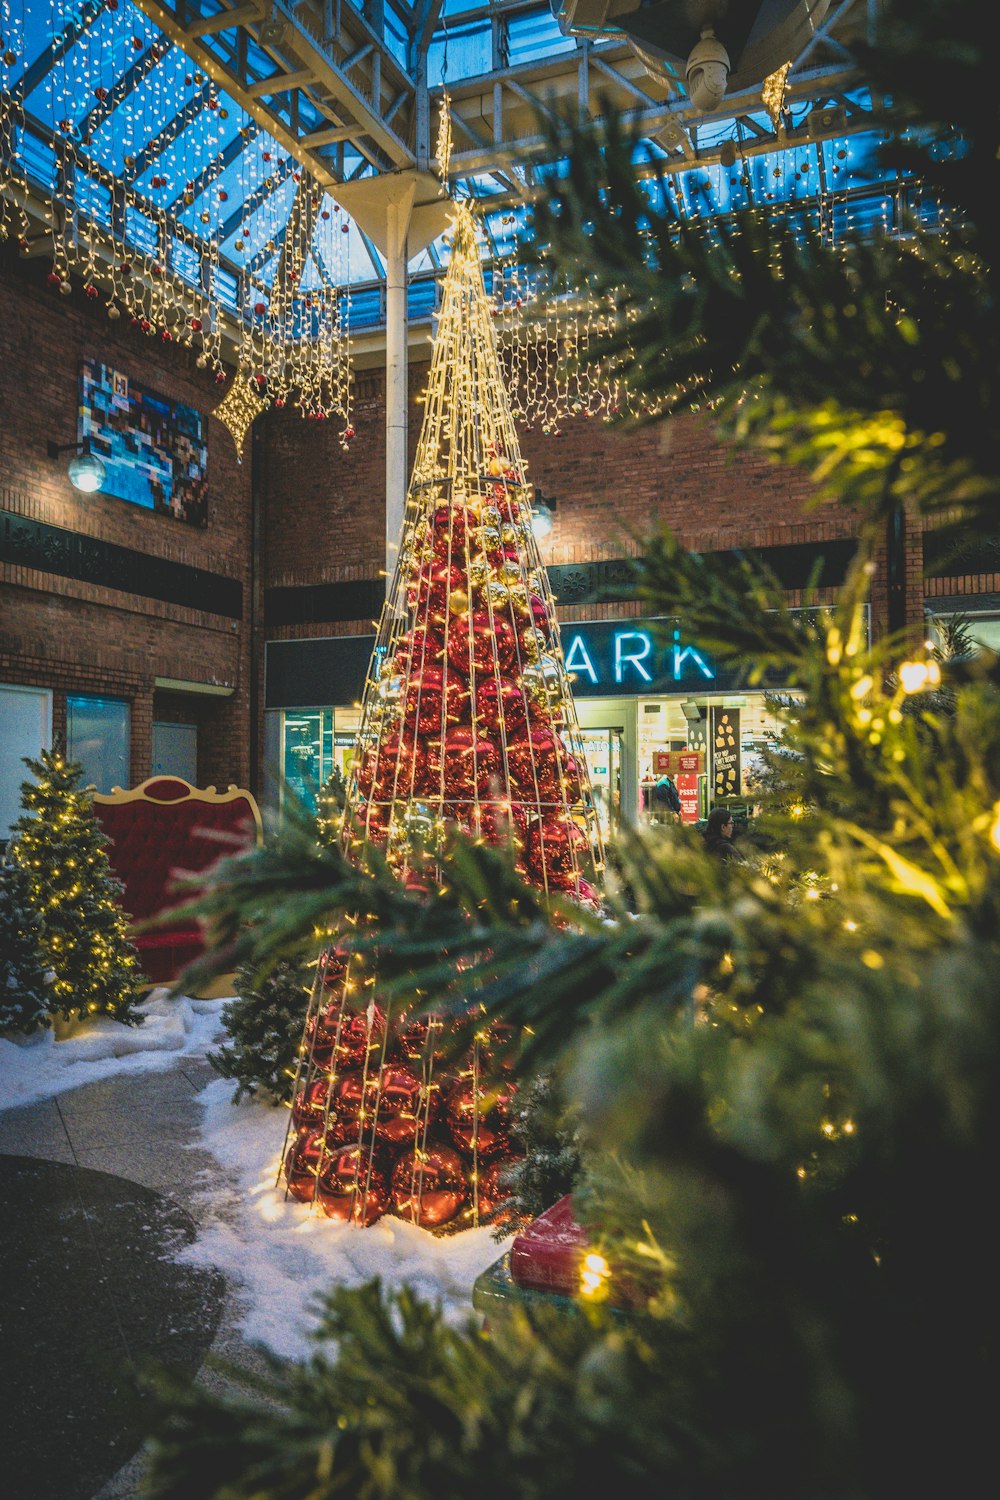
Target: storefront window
pixel 602 750
pixel 25 730
pixel 97 735
pixel 312 742
pixel 710 747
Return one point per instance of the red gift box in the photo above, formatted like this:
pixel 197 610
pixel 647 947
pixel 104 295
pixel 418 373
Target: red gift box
pixel 546 1256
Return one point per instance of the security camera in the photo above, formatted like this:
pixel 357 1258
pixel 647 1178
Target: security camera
pixel 707 71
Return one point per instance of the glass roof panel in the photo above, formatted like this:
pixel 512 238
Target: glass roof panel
pixel 155 123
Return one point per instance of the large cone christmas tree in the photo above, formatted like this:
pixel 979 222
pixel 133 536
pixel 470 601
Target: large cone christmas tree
pixel 467 720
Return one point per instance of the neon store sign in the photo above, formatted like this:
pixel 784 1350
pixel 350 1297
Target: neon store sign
pixel 633 656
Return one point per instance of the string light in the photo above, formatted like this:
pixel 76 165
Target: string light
pixel 143 198
pixel 772 94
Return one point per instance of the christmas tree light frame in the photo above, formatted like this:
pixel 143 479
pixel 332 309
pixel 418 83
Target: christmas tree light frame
pixel 469 577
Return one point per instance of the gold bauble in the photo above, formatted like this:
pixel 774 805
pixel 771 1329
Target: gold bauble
pixel 530 645
pixel 494 466
pixel 489 536
pixel 498 595
pixel 509 534
pixel 534 685
pixel 491 515
pixel 519 597
pixel 512 572
pixel 398 841
pixel 458 602
pixel 479 570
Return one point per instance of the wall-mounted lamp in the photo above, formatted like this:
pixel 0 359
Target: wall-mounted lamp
pixel 85 469
pixel 542 515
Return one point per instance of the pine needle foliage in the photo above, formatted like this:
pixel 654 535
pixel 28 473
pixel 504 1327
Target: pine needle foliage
pixel 264 1026
pixel 548 1149
pixel 787 1079
pixel 875 369
pixel 24 986
pixel 74 894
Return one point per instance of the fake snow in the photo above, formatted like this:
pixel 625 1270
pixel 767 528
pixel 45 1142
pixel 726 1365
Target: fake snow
pixel 40 1067
pixel 282 1255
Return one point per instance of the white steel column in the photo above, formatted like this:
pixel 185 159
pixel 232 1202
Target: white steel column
pixel 396 403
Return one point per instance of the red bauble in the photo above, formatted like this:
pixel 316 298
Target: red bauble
pixel 491 645
pixel 489 1191
pixel 302 1162
pixel 355 1040
pixel 359 1035
pixel 418 649
pixel 352 1188
pixel 420 1038
pixel 400 1111
pixel 334 967
pixel 427 769
pixel 557 845
pixel 540 615
pixel 432 586
pixel 572 786
pixel 311 1105
pixel 320 1036
pixel 535 760
pixel 353 1092
pixel 450 526
pixel 588 895
pixel 479 1115
pixel 471 761
pixel 394 769
pixel 429 1188
pixel 501 699
pixel 431 694
pixel 497 822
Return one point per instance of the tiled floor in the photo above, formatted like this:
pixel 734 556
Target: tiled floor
pixel 97 1188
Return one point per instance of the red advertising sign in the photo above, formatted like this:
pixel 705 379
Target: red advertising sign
pixel 687 786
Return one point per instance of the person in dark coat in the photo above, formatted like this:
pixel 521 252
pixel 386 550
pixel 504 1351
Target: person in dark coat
pixel 718 834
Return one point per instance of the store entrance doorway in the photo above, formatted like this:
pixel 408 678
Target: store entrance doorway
pixel 602 750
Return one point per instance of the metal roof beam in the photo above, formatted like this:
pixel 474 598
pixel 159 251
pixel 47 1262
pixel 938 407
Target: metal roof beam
pixel 264 190
pixel 225 20
pixel 123 86
pixel 278 83
pixel 215 168
pixel 309 70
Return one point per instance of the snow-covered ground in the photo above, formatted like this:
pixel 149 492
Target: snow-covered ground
pixel 283 1256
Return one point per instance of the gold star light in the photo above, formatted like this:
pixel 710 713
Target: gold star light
pixel 237 410
pixel 772 94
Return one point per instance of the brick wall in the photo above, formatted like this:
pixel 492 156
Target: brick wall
pixel 324 508
pixel 321 520
pixel 75 637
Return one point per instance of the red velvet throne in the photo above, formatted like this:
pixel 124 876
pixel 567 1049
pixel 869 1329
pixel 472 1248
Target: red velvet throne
pixel 159 831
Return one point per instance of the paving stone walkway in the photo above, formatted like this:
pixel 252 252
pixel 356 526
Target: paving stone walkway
pixel 98 1189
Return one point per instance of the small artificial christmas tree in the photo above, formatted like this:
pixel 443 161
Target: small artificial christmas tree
pixel 551 1164
pixel 330 809
pixel 24 986
pixel 264 1024
pixel 74 894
